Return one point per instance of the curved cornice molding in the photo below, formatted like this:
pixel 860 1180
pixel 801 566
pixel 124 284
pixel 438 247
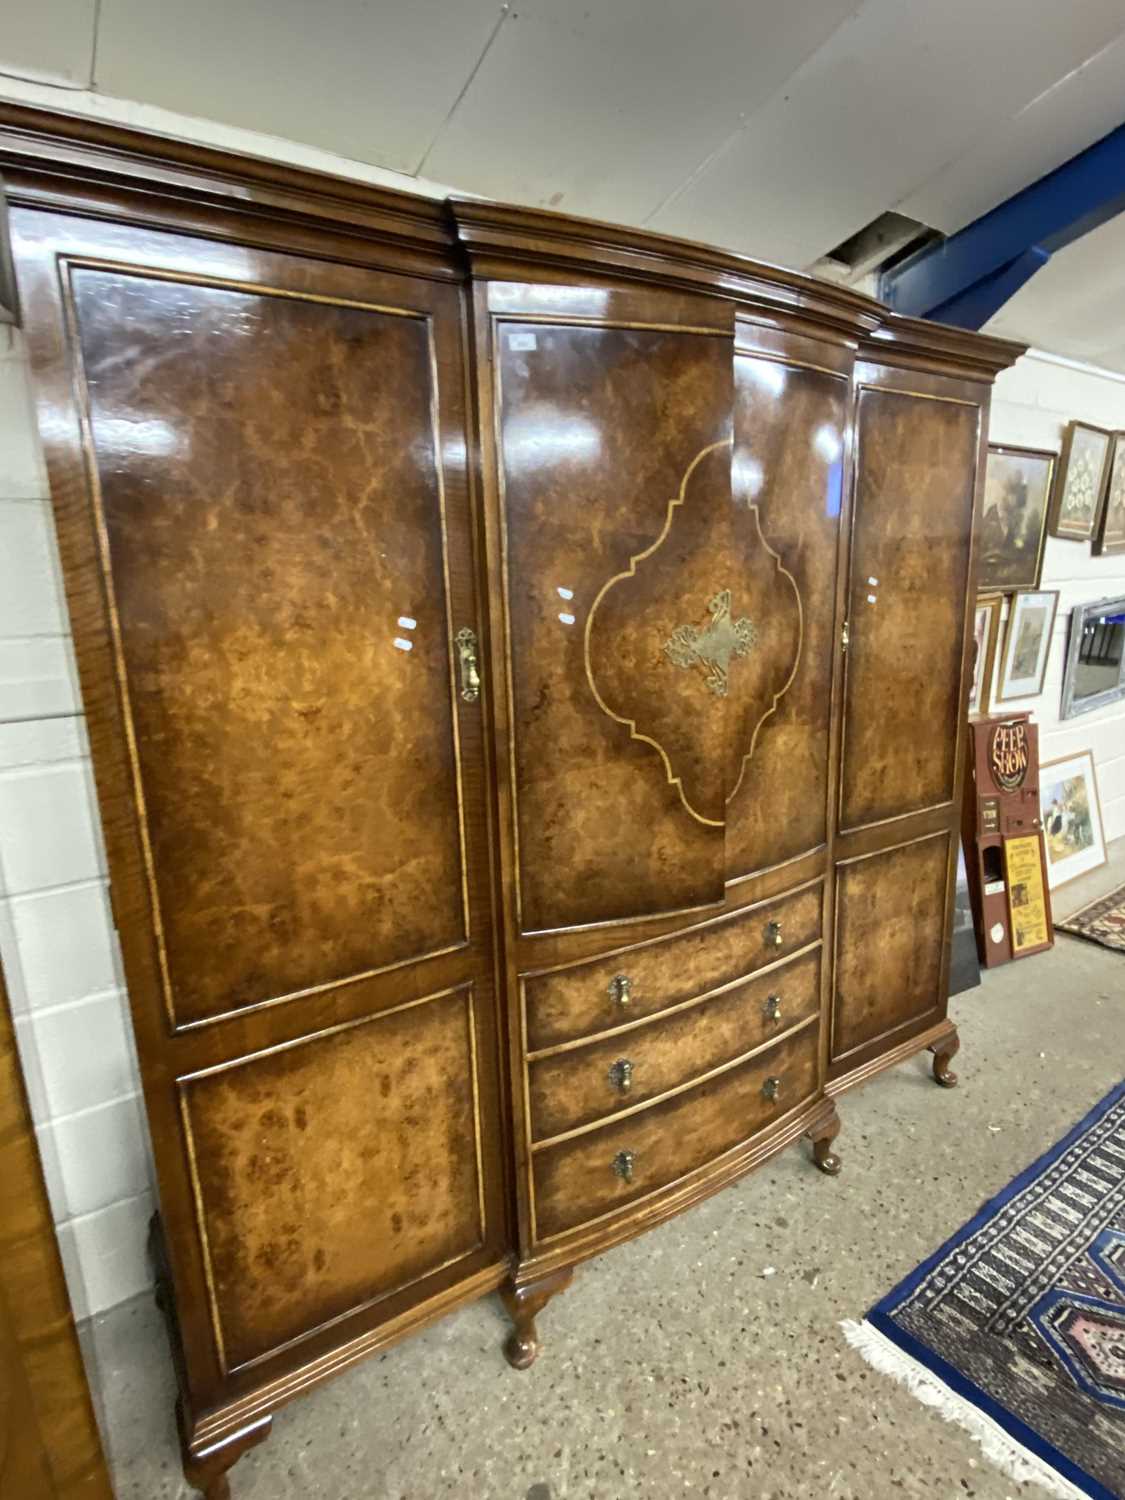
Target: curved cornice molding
pixel 78 165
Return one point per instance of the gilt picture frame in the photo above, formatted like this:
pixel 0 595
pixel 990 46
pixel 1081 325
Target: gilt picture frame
pixel 986 634
pixel 1018 484
pixel 1027 645
pixel 1109 535
pixel 1070 811
pixel 1076 496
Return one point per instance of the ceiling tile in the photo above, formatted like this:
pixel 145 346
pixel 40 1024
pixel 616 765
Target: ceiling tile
pixel 900 90
pixel 50 41
pixel 1073 305
pixel 1069 116
pixel 604 108
pixel 370 81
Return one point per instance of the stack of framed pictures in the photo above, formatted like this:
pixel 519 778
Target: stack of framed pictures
pixel 1030 493
pixel 1018 493
pixel 1077 495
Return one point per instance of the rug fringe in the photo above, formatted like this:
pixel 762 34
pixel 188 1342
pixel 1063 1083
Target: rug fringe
pixel 1012 1458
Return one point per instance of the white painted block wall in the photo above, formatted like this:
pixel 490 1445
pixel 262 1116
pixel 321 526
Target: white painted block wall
pixel 57 941
pixel 1031 405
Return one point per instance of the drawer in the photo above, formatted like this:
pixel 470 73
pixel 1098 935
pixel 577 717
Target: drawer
pixel 586 998
pixel 596 1079
pixel 608 1168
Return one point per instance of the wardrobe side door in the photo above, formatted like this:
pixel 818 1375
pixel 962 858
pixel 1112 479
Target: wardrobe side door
pixel 911 538
pixel 918 451
pixel 258 465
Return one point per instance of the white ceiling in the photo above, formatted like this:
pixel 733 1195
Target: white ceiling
pixel 776 129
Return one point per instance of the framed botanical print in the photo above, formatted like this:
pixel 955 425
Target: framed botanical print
pixel 1027 645
pixel 1013 527
pixel 986 633
pixel 1071 814
pixel 1110 534
pixel 1079 481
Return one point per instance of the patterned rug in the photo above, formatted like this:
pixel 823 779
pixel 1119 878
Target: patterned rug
pixel 1103 921
pixel 1016 1327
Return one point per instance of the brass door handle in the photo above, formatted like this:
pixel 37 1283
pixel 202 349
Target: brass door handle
pixel 772 1008
pixel 773 934
pixel 623 1165
pixel 466 642
pixel 771 1088
pixel 621 1075
pixel 620 987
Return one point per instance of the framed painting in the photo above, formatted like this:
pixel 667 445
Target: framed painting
pixel 986 634
pixel 1071 815
pixel 1109 538
pixel 1013 527
pixel 1027 645
pixel 1079 482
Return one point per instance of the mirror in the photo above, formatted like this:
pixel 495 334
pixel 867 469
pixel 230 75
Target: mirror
pixel 1095 657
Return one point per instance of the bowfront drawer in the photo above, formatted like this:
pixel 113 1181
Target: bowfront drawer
pixel 611 1166
pixel 602 993
pixel 597 1079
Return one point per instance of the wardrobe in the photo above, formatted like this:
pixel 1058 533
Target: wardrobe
pixel 525 664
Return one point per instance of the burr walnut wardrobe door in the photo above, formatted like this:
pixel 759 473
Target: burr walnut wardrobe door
pixel 258 464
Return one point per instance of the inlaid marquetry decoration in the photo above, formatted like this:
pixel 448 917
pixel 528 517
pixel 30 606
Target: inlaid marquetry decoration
pixel 658 659
pixel 759 684
pixel 692 646
pixel 712 647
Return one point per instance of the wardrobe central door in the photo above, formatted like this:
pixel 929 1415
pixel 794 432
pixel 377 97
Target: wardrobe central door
pixel 260 470
pixel 626 617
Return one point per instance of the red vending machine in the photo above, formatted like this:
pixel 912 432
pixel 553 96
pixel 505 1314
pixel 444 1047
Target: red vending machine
pixel 1003 840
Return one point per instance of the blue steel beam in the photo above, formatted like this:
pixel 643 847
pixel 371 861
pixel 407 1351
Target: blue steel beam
pixel 962 277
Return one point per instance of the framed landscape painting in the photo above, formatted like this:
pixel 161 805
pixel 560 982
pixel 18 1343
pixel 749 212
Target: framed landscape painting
pixel 1013 528
pixel 1079 481
pixel 1027 645
pixel 1110 535
pixel 1071 815
pixel 986 633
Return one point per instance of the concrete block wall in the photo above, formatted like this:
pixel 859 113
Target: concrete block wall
pixel 1032 403
pixel 57 941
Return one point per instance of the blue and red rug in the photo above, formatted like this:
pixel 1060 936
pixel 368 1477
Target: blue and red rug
pixel 1016 1327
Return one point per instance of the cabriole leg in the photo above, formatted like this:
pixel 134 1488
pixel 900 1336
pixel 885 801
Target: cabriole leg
pixel 943 1052
pixel 524 1304
pixel 822 1137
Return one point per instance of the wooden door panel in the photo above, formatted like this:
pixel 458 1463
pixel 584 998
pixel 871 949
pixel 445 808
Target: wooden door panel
pixel 268 477
pixel 787 472
pixel 615 492
pixel 258 466
pixel 334 1171
pixel 891 932
pixel 912 528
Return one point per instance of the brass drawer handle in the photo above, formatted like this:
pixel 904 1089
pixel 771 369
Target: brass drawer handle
pixel 772 1008
pixel 623 1165
pixel 771 1088
pixel 467 652
pixel 620 987
pixel 774 938
pixel 621 1075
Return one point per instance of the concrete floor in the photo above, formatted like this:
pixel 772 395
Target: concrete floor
pixel 706 1358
